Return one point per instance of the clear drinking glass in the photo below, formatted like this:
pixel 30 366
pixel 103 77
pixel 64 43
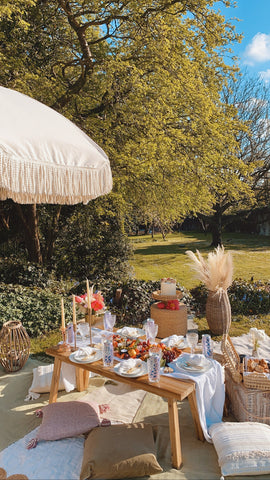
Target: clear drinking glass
pixel 84 330
pixel 192 340
pixel 153 364
pixel 106 318
pixel 108 352
pixel 109 321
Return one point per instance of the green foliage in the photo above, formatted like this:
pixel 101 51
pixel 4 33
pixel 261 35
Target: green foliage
pixel 145 84
pixel 92 243
pixel 37 308
pixel 250 298
pixel 14 270
pixel 246 297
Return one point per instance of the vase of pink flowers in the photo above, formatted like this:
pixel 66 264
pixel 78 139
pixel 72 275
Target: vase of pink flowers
pixel 96 306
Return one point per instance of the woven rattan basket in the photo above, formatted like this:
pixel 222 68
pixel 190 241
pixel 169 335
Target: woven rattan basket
pixel 246 404
pixel 170 322
pixel 257 381
pixel 232 359
pixel 14 346
pixel 218 312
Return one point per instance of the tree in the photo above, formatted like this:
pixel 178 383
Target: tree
pixel 250 97
pixel 144 82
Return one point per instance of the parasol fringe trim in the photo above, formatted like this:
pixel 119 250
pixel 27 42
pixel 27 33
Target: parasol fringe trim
pixel 29 182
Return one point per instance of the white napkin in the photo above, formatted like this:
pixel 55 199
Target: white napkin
pixel 130 366
pixel 175 340
pixel 129 331
pixel 210 393
pixel 195 360
pixel 84 353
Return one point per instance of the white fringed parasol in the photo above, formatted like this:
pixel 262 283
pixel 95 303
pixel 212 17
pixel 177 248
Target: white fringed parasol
pixel 44 157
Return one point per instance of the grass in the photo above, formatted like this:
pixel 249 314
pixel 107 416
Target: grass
pixel 41 343
pixel 155 258
pixel 240 324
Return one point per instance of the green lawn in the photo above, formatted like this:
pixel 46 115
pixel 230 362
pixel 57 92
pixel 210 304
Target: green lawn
pixel 155 258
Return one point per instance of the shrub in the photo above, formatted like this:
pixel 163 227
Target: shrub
pixel 246 297
pixel 38 309
pixel 14 270
pixel 250 298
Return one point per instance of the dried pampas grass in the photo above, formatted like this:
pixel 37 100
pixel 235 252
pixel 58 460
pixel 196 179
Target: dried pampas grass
pixel 215 272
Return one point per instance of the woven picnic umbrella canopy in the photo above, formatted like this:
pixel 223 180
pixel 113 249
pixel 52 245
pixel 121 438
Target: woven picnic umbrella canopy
pixel 44 157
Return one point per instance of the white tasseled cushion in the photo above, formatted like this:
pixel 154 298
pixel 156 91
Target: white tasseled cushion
pixel 243 448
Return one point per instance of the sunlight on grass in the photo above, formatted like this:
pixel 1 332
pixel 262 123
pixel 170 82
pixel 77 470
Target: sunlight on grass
pixel 154 258
pixel 240 324
pixel 41 343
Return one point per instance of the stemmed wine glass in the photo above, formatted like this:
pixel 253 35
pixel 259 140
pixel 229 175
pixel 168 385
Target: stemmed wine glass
pixel 151 330
pixel 192 340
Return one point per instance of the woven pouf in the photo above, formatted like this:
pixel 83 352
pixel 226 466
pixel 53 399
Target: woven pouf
pixel 170 322
pixel 14 346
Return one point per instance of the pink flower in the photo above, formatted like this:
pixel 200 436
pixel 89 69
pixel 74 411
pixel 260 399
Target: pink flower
pixel 97 302
pixel 78 299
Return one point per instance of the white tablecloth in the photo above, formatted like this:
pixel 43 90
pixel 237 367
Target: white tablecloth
pixel 210 393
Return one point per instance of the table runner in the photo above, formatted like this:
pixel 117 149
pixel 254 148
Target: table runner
pixel 210 393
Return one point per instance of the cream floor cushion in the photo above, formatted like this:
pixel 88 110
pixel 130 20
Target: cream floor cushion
pixel 243 448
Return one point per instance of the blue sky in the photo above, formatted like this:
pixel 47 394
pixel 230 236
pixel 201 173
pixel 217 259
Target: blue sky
pixel 254 24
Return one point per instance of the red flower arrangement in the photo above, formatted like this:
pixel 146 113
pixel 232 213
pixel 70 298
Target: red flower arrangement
pixel 169 305
pixel 97 302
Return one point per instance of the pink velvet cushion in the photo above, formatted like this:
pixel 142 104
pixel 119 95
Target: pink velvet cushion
pixel 68 419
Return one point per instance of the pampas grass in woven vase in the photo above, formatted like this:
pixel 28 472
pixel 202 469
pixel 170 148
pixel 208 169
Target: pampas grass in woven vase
pixel 216 273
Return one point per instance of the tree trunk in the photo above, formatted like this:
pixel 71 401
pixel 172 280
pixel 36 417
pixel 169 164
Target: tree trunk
pixel 51 236
pixel 153 230
pixel 216 228
pixel 29 219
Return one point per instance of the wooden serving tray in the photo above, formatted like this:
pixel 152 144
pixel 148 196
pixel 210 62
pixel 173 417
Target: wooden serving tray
pixel 165 298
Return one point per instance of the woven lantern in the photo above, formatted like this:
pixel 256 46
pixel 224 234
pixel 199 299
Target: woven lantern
pixel 14 346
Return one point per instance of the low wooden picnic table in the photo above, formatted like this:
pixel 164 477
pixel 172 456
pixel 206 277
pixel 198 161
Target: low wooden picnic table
pixel 172 389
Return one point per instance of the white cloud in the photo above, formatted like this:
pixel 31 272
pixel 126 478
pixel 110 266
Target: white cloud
pixel 265 76
pixel 259 49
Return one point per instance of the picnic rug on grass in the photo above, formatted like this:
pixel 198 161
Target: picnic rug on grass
pixel 61 459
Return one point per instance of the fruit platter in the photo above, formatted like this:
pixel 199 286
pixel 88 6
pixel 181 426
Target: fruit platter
pixel 126 348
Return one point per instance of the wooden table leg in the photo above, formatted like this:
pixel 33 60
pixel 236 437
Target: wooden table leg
pixel 195 414
pixel 82 379
pixel 55 380
pixel 174 433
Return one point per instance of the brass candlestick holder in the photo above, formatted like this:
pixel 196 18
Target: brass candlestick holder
pixel 64 347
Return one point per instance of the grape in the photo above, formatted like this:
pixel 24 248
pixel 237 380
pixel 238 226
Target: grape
pixel 168 356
